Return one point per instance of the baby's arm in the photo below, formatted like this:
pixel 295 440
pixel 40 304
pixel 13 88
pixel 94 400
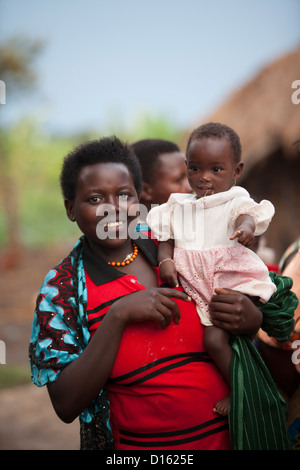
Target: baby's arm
pixel 244 230
pixel 167 271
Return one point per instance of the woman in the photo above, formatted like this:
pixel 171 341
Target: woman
pixel 113 346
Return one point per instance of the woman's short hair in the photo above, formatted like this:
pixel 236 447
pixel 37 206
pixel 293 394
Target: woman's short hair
pixel 105 150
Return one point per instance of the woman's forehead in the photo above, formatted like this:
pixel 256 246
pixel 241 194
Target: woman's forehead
pixel 106 173
pixel 104 169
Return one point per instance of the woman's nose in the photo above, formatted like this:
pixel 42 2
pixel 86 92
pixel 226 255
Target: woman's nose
pixel 113 202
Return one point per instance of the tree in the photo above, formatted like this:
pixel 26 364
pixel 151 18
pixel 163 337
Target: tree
pixel 17 56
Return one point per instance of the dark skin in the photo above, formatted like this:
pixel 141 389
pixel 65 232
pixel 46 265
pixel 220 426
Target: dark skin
pixel 216 340
pixel 81 381
pixel 169 177
pixel 211 169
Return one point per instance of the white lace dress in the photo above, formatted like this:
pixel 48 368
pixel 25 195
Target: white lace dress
pixel 204 255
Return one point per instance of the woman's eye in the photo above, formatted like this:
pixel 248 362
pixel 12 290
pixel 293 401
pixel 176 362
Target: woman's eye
pixel 123 196
pixel 95 199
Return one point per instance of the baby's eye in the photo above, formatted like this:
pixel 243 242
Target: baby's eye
pixel 217 169
pixel 193 168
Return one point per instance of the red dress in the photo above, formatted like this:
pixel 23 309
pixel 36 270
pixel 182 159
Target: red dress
pixel 163 385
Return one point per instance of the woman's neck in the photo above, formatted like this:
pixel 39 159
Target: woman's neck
pixel 113 252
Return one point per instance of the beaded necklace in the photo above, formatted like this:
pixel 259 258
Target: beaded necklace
pixel 129 258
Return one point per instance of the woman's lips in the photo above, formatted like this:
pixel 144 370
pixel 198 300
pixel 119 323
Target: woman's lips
pixel 115 225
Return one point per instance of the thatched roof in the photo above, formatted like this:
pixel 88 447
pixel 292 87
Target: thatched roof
pixel 262 111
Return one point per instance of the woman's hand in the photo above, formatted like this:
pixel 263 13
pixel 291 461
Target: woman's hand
pixel 81 381
pixel 155 303
pixel 235 312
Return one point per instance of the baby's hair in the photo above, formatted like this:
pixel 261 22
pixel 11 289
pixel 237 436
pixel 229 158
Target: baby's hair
pixel 148 151
pixel 105 150
pixel 217 131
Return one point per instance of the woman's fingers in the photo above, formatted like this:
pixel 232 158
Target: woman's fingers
pixel 168 307
pixel 165 315
pixel 157 304
pixel 177 294
pixel 168 295
pixel 235 312
pixel 225 309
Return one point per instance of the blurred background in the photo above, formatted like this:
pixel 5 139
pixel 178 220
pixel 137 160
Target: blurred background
pixel 77 70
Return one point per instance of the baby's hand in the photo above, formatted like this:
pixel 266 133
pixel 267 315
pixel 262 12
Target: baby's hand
pixel 168 273
pixel 245 237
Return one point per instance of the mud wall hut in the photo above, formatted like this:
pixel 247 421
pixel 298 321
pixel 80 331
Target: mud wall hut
pixel 268 122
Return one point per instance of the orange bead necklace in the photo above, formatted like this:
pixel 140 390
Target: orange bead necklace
pixel 129 258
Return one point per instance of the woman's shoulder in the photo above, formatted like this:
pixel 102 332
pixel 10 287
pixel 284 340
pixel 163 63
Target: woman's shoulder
pixel 59 277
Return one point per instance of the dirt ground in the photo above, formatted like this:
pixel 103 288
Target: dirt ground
pixel 27 419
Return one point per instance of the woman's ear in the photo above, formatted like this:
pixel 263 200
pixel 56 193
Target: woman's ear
pixel 70 210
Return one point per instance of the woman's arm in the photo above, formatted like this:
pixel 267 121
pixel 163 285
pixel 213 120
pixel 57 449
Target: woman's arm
pixel 235 312
pixel 81 381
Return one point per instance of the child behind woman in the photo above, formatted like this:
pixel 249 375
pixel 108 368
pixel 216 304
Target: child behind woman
pixel 205 237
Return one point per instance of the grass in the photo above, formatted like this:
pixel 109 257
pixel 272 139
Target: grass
pixel 11 376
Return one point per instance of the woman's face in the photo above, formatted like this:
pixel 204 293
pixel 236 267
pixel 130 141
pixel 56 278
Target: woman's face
pixel 211 167
pixel 105 192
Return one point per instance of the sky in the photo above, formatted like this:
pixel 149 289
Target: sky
pixel 105 62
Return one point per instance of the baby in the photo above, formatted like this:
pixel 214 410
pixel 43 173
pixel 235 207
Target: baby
pixel 205 237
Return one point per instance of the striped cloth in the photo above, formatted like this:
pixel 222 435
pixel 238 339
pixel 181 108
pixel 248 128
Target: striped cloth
pixel 257 411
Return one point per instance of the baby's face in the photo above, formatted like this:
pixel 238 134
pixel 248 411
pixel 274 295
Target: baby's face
pixel 211 167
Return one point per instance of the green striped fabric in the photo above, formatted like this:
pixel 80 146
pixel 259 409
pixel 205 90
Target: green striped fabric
pixel 257 410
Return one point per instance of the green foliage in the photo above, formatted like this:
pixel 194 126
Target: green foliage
pixel 147 126
pixel 11 376
pixel 31 205
pixel 17 56
pixel 33 162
